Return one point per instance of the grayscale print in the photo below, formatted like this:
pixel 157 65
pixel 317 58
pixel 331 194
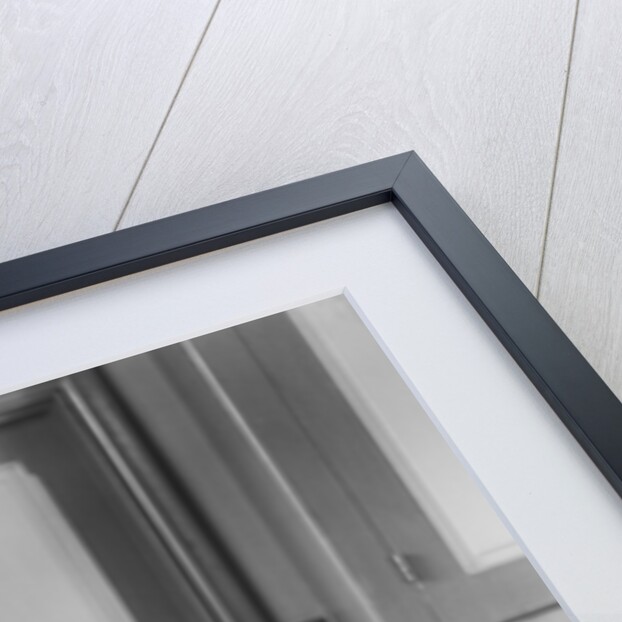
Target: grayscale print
pixel 276 471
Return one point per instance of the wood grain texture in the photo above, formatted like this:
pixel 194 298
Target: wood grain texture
pixel 582 274
pixel 282 92
pixel 84 87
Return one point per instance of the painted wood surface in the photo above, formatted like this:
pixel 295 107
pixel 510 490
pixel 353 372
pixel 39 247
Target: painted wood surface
pixel 582 272
pixel 84 88
pixel 282 92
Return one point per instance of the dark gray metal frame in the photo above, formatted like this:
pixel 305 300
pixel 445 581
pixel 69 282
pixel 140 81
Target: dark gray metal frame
pixel 581 399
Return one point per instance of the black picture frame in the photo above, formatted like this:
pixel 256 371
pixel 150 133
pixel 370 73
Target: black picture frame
pixel 572 388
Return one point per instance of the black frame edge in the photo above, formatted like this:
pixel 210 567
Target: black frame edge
pixel 113 255
pixel 569 384
pixel 565 379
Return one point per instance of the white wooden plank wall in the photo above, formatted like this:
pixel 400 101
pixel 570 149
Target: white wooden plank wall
pixel 84 87
pixel 281 91
pixel 582 277
pixel 108 118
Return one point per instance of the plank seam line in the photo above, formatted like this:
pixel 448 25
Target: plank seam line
pixel 166 116
pixel 547 218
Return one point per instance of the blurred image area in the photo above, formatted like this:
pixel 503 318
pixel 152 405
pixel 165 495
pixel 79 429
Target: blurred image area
pixel 276 471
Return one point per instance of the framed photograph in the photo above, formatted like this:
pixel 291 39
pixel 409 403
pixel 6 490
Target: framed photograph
pixel 330 401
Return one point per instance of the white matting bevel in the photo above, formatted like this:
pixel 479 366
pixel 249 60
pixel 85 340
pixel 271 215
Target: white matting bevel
pixel 550 495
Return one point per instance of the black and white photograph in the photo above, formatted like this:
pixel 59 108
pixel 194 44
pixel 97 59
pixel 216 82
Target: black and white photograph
pixel 278 470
